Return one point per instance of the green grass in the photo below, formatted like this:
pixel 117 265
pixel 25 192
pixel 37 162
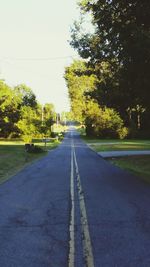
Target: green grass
pixel 114 145
pixel 13 157
pixel 139 165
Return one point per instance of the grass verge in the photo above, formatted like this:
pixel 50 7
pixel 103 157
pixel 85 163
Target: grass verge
pixel 139 165
pixel 117 145
pixel 13 157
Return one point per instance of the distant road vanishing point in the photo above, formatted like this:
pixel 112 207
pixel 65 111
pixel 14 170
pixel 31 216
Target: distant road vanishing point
pixel 74 209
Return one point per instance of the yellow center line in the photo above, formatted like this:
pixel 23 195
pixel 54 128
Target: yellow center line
pixel 72 218
pixel 87 246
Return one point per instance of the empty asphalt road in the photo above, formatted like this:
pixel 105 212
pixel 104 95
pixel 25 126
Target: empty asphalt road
pixel 74 209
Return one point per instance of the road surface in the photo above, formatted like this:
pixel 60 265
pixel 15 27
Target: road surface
pixel 74 209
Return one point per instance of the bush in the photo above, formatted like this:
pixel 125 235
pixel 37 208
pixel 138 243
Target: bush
pixel 123 132
pixel 54 134
pixel 26 138
pixel 104 123
pixel 31 148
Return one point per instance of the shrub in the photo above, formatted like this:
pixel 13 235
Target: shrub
pixel 54 134
pixel 123 132
pixel 31 148
pixel 104 123
pixel 26 138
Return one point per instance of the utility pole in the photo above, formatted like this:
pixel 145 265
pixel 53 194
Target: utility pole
pixel 42 116
pixel 57 119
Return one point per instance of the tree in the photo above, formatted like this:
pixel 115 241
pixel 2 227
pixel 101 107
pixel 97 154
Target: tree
pixel 9 114
pixel 79 80
pixel 21 114
pixel 27 123
pixel 48 118
pixel 25 96
pixel 121 41
pixel 102 122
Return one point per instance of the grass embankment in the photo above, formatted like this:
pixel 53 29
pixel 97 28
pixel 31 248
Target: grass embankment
pixel 139 165
pixel 117 145
pixel 13 156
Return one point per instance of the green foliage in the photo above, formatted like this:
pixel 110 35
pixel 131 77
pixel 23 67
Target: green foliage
pixel 123 132
pixel 80 81
pixel 49 117
pixel 103 123
pixel 26 124
pixel 25 95
pixel 9 114
pixel 118 54
pixel 26 138
pixel 21 114
pixel 99 121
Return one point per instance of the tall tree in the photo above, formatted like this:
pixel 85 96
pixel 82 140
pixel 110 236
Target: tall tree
pixel 48 118
pixel 9 113
pixel 121 41
pixel 102 122
pixel 25 95
pixel 80 81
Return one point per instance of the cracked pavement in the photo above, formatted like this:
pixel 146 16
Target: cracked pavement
pixel 35 210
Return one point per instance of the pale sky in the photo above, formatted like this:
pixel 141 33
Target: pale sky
pixel 34 46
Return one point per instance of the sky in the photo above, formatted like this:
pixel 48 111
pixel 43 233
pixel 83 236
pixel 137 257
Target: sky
pixel 34 47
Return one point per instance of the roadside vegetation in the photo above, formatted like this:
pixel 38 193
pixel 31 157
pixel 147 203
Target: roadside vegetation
pixel 99 144
pixel 139 165
pixel 22 116
pixel 13 156
pixel 118 145
pixel 24 123
pixel 109 86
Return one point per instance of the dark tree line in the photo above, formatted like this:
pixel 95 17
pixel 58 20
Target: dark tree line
pixel 118 54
